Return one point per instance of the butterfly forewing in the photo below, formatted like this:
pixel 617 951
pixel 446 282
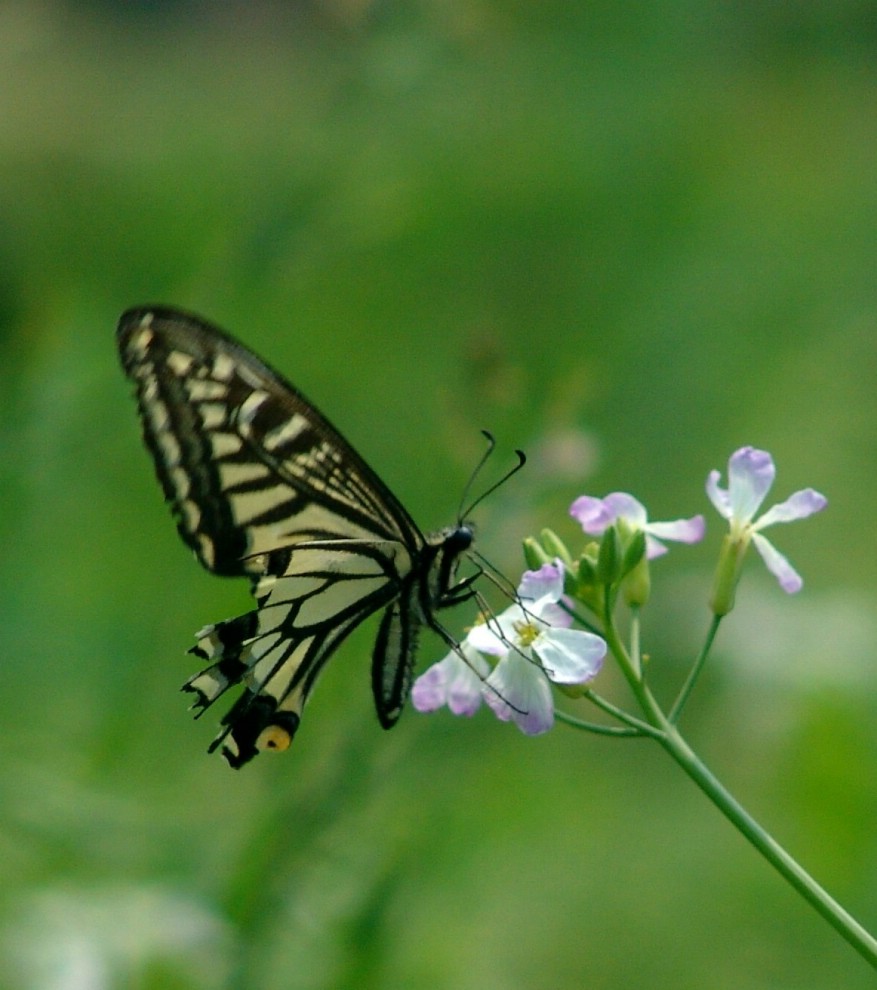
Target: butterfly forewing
pixel 262 485
pixel 246 462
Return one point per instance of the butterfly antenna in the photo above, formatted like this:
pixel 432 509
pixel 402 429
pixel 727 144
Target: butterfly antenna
pixel 491 443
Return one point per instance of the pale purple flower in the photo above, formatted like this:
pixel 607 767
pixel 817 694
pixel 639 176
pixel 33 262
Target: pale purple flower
pixel 597 514
pixel 750 476
pixel 535 644
pixel 455 681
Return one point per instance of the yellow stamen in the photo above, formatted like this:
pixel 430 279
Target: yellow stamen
pixel 526 633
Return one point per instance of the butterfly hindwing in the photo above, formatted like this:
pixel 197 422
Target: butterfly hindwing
pixel 321 594
pixel 262 485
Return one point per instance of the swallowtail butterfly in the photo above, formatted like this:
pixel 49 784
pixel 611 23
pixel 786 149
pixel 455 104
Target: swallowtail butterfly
pixel 261 485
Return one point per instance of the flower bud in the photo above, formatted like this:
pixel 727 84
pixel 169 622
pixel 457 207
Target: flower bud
pixel 638 584
pixel 534 555
pixel 609 559
pixel 634 551
pixel 587 570
pixel 555 547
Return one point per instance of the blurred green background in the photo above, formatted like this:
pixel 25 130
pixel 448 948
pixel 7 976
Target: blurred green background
pixel 627 238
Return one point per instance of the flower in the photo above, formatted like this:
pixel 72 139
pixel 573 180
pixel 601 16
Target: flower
pixel 597 514
pixel 750 476
pixel 535 645
pixel 455 681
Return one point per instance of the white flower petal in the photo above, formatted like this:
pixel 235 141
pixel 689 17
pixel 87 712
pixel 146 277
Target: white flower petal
pixel 570 656
pixel 518 691
pixel 798 506
pixel 718 495
pixel 547 583
pixel 790 580
pixel 493 636
pixel 596 514
pixel 552 614
pixel 464 690
pixel 654 548
pixel 621 505
pixel 750 475
pixel 429 690
pixel 453 682
pixel 682 530
pixel 592 514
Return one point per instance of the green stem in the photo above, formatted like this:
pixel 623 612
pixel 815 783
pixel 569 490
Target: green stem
pixel 601 730
pixel 630 669
pixel 635 651
pixel 818 898
pixel 668 735
pixel 694 673
pixel 642 728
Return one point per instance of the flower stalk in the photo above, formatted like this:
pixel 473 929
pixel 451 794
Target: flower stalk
pixel 665 732
pixel 815 895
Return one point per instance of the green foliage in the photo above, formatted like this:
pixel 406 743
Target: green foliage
pixel 627 241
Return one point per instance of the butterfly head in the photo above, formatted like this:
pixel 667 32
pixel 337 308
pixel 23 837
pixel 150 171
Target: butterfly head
pixel 448 545
pixel 454 540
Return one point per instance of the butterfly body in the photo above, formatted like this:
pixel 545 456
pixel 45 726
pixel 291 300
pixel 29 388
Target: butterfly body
pixel 262 486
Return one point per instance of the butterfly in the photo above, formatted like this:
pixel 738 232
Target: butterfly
pixel 261 485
